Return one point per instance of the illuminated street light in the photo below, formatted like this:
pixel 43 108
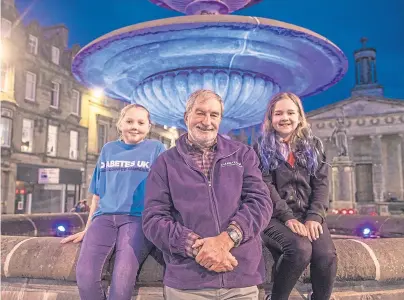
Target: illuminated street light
pixel 97 93
pixel 61 228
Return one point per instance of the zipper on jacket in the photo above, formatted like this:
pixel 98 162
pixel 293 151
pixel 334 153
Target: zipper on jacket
pixel 212 193
pixel 210 190
pixel 213 199
pixel 298 201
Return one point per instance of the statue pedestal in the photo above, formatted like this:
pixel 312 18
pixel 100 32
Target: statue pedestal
pixel 382 209
pixel 343 183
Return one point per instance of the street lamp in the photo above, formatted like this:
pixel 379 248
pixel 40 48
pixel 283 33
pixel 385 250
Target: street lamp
pixel 97 93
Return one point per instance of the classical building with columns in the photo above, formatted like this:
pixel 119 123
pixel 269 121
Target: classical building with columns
pixel 370 176
pixel 374 127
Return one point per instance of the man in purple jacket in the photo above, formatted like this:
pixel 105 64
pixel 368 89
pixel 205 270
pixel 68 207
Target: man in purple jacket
pixel 205 207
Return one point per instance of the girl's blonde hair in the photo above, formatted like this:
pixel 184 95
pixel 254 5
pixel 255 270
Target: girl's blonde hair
pixel 123 113
pixel 302 130
pixel 307 148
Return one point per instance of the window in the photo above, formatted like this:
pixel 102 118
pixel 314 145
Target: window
pixel 32 44
pixel 74 143
pixel 6 26
pixel 6 77
pixel 27 135
pixel 5 131
pixel 75 102
pixel 55 55
pixel 102 135
pixel 3 78
pixel 30 86
pixel 55 94
pixel 52 140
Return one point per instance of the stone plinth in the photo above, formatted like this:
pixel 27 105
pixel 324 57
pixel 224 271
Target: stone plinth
pixel 42 268
pixel 383 208
pixel 343 183
pixel 353 225
pixel 42 224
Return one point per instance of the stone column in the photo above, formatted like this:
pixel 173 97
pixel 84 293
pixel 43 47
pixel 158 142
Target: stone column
pixel 378 170
pixel 400 166
pixel 343 183
pixel 378 174
pixel 350 147
pixel 12 179
pixel 393 165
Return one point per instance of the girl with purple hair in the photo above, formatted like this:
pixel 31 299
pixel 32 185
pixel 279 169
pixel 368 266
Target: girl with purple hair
pixel 294 168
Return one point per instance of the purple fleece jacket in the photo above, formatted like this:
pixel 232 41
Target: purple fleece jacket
pixel 180 199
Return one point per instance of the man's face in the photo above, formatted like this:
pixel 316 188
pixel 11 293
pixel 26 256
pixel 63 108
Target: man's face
pixel 203 121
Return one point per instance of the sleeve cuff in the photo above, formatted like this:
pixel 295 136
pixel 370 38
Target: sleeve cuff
pixel 315 217
pixel 286 217
pixel 189 242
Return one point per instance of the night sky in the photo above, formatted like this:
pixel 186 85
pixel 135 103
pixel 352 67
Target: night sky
pixel 343 22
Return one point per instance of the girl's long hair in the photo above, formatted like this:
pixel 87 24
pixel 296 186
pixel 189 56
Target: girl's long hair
pixel 308 149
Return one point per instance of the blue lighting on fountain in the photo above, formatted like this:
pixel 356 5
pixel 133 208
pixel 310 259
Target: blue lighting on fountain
pixel 246 60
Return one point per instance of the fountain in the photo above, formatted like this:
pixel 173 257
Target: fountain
pixel 244 59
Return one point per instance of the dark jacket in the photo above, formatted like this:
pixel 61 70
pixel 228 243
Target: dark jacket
pixel 180 199
pixel 295 193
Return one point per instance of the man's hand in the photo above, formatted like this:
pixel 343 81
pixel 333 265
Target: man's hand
pixel 296 227
pixel 314 229
pixel 214 253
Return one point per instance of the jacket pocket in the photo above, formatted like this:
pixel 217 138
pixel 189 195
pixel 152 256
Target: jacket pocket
pixel 248 256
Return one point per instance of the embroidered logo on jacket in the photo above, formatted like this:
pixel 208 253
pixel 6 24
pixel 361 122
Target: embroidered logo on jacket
pixel 231 163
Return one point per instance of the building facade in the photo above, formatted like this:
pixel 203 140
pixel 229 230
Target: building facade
pixel 52 128
pixel 374 130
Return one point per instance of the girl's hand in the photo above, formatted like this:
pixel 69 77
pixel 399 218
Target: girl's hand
pixel 75 238
pixel 296 227
pixel 314 229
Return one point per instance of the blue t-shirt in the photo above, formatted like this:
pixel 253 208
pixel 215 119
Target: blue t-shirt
pixel 119 178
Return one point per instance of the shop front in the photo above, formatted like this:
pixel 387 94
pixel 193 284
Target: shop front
pixel 42 189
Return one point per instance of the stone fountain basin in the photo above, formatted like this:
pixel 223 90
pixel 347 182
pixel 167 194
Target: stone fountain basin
pixel 244 59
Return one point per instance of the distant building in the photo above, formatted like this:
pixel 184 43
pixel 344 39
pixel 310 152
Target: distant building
pixel 375 134
pixel 375 131
pixel 52 128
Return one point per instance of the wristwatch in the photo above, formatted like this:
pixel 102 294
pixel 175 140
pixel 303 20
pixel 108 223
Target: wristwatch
pixel 234 236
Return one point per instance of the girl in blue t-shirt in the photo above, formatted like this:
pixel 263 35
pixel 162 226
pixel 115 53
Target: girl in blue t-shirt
pixel 115 219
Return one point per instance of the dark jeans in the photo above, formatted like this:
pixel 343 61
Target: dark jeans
pixel 297 252
pixel 106 234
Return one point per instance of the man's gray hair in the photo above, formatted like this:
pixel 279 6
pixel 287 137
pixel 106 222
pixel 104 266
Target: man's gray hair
pixel 202 95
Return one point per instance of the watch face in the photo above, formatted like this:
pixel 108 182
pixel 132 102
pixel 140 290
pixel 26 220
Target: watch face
pixel 233 235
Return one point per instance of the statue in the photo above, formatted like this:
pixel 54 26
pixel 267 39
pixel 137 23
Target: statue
pixel 339 137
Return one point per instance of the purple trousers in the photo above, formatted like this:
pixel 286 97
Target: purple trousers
pixel 107 234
